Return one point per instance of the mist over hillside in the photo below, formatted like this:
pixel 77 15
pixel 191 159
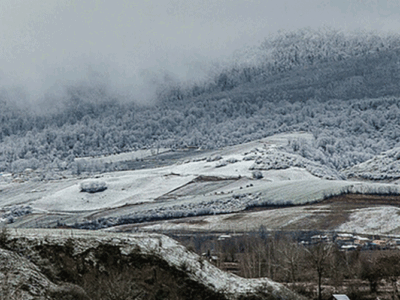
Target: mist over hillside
pixel 343 88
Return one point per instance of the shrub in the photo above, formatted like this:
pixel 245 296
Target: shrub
pixel 4 235
pixel 257 175
pixel 93 186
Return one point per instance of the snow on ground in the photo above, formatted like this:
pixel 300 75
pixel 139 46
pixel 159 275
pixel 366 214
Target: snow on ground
pixel 133 187
pixel 127 156
pixel 383 166
pixel 122 188
pixel 242 222
pixel 226 185
pixel 373 220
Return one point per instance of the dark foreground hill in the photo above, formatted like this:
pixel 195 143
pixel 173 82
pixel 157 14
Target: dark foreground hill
pixel 65 264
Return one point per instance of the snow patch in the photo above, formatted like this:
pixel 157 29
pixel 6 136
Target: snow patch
pixel 373 220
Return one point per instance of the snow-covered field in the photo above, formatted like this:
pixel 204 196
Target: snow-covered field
pixel 374 220
pixel 221 182
pixel 242 222
pixel 134 155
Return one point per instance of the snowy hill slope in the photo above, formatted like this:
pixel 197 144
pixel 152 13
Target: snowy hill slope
pixel 385 166
pixel 223 181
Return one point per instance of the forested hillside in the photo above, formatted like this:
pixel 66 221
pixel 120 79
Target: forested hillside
pixel 341 87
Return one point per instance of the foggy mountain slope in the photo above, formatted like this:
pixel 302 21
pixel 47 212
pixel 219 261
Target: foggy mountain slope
pixel 339 86
pixel 314 58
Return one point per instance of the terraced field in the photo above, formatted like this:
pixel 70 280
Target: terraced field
pixel 212 191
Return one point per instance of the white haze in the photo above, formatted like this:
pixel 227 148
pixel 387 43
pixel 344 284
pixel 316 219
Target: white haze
pixel 131 47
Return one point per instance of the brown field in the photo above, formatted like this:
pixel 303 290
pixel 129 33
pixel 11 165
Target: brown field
pixel 325 215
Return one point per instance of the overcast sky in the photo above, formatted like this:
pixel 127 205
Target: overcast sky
pixel 49 42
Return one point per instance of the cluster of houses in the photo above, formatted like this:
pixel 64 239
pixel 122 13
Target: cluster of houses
pixel 348 241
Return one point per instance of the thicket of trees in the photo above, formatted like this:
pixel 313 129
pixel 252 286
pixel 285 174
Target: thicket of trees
pixel 343 88
pixel 315 270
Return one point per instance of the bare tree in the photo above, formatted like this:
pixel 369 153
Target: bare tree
pixel 257 259
pixel 389 266
pixel 370 271
pixel 289 255
pixel 319 258
pixel 114 286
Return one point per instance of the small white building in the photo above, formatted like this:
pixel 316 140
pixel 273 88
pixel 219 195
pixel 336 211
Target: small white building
pixel 340 297
pixel 223 237
pixel 345 236
pixel 348 247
